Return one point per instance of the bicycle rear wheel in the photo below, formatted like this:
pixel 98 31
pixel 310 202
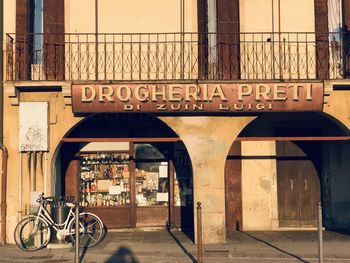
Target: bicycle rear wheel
pixel 30 236
pixel 91 230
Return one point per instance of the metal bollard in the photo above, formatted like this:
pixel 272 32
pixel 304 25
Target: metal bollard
pixel 77 258
pixel 199 234
pixel 320 233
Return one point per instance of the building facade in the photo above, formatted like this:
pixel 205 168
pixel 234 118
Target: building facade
pixel 141 109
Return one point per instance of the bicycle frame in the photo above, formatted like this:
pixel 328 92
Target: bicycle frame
pixel 46 217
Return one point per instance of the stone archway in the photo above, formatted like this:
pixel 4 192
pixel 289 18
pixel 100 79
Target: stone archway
pixel 259 160
pixel 133 127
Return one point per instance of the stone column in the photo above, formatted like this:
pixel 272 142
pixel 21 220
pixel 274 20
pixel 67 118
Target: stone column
pixel 208 140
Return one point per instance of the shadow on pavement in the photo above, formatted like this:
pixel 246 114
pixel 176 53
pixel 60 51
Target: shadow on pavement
pixel 181 246
pixel 277 248
pixel 82 255
pixel 342 231
pixel 123 255
pixel 85 248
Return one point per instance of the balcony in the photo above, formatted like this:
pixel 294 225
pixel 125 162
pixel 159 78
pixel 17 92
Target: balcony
pixel 177 57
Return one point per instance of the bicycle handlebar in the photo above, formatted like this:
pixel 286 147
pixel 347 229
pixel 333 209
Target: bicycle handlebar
pixel 42 199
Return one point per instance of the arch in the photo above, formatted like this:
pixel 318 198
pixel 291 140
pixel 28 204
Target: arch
pixel 336 121
pixel 68 133
pixel 322 154
pixel 134 126
pixel 315 122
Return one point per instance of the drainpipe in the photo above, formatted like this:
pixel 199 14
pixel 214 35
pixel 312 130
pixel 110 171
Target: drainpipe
pixel 2 146
pixel 3 190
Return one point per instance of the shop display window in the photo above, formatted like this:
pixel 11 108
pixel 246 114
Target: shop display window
pixel 152 176
pixel 104 179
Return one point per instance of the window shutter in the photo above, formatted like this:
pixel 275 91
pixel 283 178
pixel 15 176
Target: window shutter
pixel 228 38
pixel 23 48
pixel 53 43
pixel 346 38
pixel 346 6
pixel 202 38
pixel 322 41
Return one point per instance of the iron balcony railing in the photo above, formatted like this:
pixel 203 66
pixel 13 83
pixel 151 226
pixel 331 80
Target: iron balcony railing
pixel 177 56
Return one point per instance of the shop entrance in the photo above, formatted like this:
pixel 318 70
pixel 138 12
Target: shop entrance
pixel 130 170
pixel 298 186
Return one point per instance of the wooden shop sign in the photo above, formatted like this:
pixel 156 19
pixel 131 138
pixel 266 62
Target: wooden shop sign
pixel 258 97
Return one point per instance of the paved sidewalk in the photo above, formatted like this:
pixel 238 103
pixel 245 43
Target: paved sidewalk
pixel 160 246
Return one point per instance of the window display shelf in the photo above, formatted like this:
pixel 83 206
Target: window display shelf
pixel 104 180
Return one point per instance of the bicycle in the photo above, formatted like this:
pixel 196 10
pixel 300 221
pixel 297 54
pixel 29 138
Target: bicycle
pixel 34 232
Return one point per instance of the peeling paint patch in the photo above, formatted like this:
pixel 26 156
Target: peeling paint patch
pixel 265 183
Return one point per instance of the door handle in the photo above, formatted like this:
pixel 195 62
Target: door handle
pixel 305 184
pixel 291 184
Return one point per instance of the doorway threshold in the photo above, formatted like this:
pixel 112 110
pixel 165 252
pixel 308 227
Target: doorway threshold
pixel 145 229
pixel 311 228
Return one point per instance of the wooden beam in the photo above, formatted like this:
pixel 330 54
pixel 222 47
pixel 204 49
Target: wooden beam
pixel 171 139
pixel 176 139
pixel 296 138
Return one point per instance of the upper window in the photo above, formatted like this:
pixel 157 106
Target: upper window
pixel 37 23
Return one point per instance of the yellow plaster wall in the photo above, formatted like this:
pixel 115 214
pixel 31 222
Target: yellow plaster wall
pixel 61 120
pixel 132 16
pixel 79 16
pixel 11 141
pixel 255 16
pixel 9 16
pixel 9 26
pixel 295 16
pixel 338 106
pixel 259 186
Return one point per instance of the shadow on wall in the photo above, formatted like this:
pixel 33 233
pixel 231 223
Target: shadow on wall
pixel 123 255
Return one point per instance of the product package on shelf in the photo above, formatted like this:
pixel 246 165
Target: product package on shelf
pixel 104 179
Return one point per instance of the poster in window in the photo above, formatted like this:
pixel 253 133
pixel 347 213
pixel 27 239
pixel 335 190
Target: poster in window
pixel 163 171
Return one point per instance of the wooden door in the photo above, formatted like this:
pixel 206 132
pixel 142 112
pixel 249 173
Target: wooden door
pixel 309 193
pixel 298 187
pixel 72 179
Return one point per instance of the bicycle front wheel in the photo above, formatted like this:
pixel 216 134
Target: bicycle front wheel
pixel 32 234
pixel 91 230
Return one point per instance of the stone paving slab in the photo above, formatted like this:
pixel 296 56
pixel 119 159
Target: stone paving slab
pixel 163 247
